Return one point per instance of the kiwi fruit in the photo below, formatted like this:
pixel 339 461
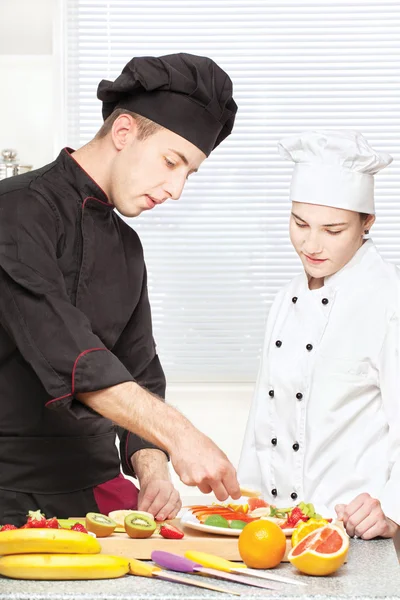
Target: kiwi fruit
pixel 99 524
pixel 139 525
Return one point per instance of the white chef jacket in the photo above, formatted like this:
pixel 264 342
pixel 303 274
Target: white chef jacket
pixel 324 425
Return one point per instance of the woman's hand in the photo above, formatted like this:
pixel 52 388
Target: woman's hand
pixel 363 517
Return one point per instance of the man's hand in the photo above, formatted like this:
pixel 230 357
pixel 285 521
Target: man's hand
pixel 198 461
pixel 157 494
pixel 363 517
pixel 195 458
pixel 159 498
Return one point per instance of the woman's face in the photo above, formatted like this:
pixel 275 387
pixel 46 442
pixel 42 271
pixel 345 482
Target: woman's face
pixel 326 238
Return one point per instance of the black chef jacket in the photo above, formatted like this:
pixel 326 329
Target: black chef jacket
pixel 74 317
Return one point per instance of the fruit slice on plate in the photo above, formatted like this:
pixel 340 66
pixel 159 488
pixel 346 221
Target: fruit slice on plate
pixel 321 552
pixel 216 521
pixel 254 503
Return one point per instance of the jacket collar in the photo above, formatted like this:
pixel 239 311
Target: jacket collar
pixel 346 273
pixel 351 268
pixel 85 186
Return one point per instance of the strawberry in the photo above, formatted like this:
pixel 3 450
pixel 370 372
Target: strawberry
pixel 36 519
pixel 295 516
pixel 79 527
pixel 8 527
pixel 52 523
pixel 170 532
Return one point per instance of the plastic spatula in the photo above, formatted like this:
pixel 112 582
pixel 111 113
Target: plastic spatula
pixel 184 565
pixel 221 564
pixel 137 567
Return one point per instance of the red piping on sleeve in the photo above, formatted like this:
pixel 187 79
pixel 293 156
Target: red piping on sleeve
pixel 73 374
pixel 59 398
pixel 76 362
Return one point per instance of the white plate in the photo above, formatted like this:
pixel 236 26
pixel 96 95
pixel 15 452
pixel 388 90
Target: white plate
pixel 189 520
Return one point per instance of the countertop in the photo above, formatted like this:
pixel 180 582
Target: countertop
pixel 372 571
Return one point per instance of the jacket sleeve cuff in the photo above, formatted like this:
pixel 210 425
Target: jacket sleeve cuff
pixel 129 444
pixel 94 369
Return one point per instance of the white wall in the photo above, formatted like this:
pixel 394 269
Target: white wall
pixel 219 410
pixel 26 75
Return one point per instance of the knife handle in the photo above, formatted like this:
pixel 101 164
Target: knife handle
pixel 210 560
pixel 174 562
pixel 137 567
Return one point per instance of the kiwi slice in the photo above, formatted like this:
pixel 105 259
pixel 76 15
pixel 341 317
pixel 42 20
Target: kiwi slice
pixel 216 521
pixel 99 524
pixel 138 525
pixel 238 524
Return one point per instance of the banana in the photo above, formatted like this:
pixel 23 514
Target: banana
pixel 24 541
pixel 63 566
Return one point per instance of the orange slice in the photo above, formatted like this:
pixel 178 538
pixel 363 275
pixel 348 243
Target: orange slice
pixel 304 528
pixel 321 552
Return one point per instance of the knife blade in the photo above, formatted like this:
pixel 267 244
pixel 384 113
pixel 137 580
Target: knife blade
pixel 141 569
pixel 216 562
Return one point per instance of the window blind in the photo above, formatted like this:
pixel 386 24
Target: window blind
pixel 218 256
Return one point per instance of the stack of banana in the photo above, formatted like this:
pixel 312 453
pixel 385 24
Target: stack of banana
pixel 56 554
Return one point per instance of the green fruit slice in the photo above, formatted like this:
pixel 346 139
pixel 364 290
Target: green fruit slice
pixel 138 525
pixel 216 521
pixel 238 524
pixel 68 523
pixel 99 524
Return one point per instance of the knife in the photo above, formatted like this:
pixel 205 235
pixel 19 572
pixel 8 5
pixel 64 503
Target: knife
pixel 174 562
pixel 221 564
pixel 137 567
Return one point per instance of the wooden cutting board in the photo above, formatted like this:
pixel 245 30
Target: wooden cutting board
pixel 120 544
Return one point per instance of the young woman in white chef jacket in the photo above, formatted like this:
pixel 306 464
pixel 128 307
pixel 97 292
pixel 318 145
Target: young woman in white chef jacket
pixel 324 426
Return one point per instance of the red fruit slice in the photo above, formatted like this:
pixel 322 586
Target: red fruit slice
pixel 325 541
pixel 170 532
pixel 79 527
pixel 256 503
pixel 52 523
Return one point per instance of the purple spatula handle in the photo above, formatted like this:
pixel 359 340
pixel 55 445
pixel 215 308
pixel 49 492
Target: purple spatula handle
pixel 174 562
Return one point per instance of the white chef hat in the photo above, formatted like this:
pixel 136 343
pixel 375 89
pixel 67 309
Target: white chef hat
pixel 333 168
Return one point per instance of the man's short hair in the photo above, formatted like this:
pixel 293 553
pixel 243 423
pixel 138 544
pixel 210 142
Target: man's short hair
pixel 146 128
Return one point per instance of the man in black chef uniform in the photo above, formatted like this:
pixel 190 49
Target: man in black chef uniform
pixel 78 362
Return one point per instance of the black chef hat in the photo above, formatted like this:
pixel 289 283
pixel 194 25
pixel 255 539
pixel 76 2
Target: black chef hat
pixel 189 95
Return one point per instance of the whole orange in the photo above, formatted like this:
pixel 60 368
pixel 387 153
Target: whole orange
pixel 262 544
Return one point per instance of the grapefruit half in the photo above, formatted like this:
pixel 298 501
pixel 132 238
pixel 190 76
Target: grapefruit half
pixel 321 552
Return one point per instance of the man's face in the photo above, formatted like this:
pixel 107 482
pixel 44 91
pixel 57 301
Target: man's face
pixel 325 238
pixel 146 173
